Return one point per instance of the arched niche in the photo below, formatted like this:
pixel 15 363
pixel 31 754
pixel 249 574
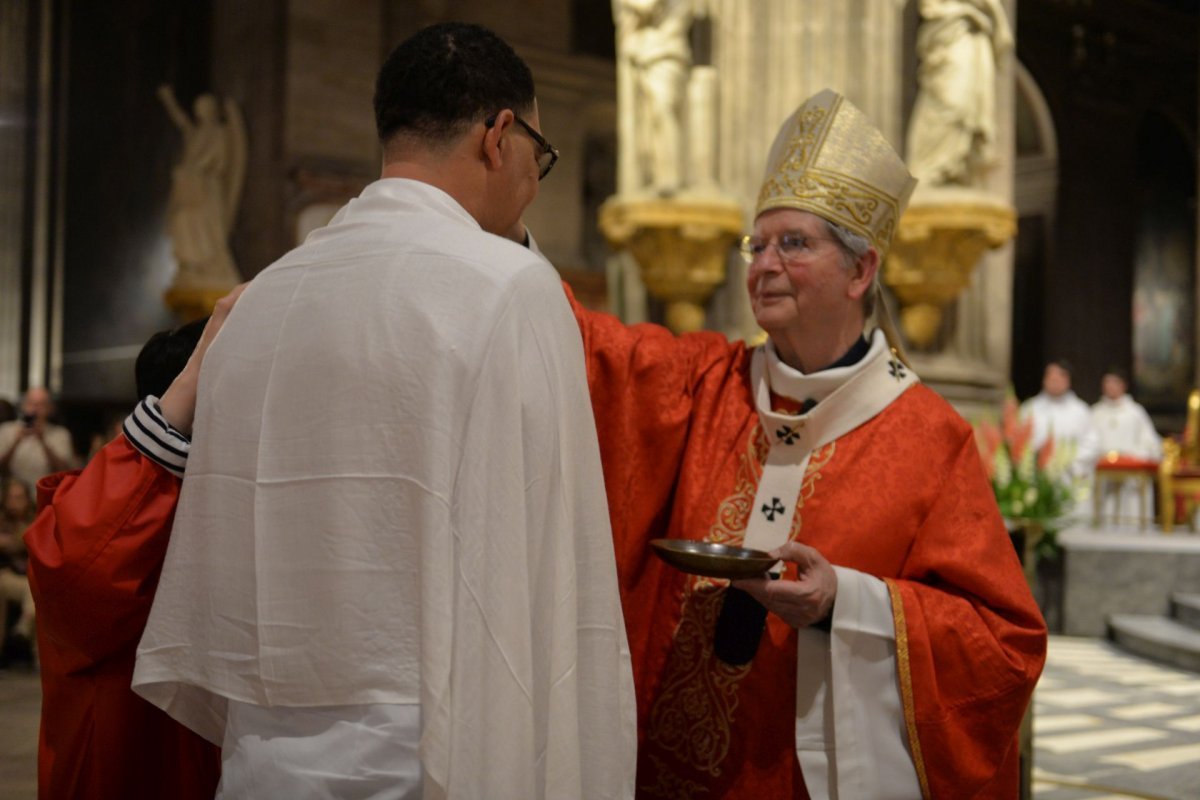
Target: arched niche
pixel 1164 268
pixel 1036 196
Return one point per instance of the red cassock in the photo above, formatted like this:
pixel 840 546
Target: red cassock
pixel 95 552
pixel 903 497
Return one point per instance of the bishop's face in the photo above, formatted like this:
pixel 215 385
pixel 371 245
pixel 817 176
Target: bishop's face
pixel 800 276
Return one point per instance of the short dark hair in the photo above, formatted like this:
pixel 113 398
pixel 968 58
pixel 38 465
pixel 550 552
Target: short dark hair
pixel 445 77
pixel 164 356
pixel 1117 372
pixel 1061 363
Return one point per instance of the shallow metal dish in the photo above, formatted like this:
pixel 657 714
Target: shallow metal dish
pixel 711 559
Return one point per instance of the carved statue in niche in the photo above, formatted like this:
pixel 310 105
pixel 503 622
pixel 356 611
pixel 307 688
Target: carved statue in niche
pixel 652 37
pixel 206 187
pixel 953 126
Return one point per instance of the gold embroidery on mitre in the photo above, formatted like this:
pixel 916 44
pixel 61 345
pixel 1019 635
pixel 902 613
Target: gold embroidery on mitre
pixel 830 160
pixel 692 717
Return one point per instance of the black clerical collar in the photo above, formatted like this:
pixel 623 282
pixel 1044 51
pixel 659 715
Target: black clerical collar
pixel 855 354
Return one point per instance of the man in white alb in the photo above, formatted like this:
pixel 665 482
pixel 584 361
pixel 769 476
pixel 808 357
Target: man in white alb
pixel 391 573
pixel 1058 413
pixel 1123 429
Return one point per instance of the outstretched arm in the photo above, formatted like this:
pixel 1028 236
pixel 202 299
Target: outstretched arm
pixel 98 543
pixel 177 115
pixel 178 402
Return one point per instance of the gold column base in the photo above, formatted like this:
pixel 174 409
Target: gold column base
pixel 939 240
pixel 680 244
pixel 193 302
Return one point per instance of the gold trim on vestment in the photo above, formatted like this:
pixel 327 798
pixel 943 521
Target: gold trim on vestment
pixel 693 715
pixel 904 667
pixel 670 786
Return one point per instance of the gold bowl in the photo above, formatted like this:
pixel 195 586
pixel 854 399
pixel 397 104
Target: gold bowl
pixel 711 559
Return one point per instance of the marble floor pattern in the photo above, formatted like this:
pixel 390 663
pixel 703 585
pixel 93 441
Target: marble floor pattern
pixel 1110 725
pixel 1107 725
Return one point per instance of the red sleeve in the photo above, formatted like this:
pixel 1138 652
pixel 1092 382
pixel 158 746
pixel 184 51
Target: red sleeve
pixel 970 639
pixel 96 550
pixel 644 383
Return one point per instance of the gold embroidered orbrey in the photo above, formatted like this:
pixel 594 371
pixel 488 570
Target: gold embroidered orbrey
pixel 693 714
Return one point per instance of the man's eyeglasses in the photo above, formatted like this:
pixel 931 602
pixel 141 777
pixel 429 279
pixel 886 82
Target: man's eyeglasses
pixel 547 153
pixel 790 247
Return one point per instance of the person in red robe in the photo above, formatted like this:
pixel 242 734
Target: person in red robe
pixel 903 643
pixel 95 552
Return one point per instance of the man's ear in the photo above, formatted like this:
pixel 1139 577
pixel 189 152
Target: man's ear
pixel 865 269
pixel 494 143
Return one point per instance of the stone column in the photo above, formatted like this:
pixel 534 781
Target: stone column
pixel 973 366
pixel 14 104
pixel 772 54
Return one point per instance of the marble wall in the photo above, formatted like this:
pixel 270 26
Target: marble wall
pixel 1107 573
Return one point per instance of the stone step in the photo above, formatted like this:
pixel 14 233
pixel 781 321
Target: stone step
pixel 1158 638
pixel 1185 608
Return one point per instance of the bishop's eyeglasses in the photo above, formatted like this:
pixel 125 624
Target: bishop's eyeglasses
pixel 792 247
pixel 547 153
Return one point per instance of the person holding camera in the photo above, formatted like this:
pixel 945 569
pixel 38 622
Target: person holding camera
pixel 31 447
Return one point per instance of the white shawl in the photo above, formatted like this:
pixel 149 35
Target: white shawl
pixel 395 496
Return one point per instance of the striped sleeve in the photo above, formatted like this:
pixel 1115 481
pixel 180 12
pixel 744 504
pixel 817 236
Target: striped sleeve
pixel 152 435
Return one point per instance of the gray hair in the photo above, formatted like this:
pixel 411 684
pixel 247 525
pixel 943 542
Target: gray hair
pixel 854 246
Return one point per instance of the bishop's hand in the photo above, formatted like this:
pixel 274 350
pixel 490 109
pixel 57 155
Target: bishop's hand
pixel 805 601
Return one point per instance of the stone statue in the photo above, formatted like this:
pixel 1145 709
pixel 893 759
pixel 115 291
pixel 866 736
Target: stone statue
pixel 953 126
pixel 652 39
pixel 206 187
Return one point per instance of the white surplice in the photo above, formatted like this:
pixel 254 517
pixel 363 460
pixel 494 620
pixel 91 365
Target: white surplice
pixel 1067 420
pixel 394 496
pixel 1123 426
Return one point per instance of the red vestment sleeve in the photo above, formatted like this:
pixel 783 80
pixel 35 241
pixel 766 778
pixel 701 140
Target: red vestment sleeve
pixel 642 380
pixel 644 383
pixel 96 550
pixel 970 639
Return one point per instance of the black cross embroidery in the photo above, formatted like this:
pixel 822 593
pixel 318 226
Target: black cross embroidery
pixel 896 369
pixel 770 511
pixel 787 435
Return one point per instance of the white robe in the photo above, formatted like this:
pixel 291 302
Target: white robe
pixel 1123 427
pixel 394 496
pixel 1067 420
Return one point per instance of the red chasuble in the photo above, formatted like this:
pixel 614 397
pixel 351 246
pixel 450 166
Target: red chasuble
pixel 902 497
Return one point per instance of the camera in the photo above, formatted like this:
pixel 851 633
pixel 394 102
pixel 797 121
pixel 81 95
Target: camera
pixel 28 419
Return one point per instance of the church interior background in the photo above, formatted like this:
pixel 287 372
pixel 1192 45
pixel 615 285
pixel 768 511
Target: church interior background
pixel 1096 116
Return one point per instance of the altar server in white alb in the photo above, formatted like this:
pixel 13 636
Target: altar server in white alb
pixel 1123 429
pixel 392 573
pixel 1059 414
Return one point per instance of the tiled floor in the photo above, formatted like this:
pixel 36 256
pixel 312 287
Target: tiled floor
pixel 1107 725
pixel 20 704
